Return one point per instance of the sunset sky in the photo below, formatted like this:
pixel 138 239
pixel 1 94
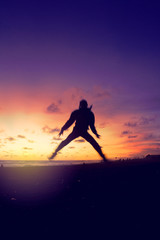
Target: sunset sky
pixel 54 53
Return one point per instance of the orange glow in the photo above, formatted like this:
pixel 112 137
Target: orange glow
pixel 23 119
pixel 23 138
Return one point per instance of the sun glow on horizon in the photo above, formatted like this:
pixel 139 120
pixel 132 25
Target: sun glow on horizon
pixel 25 137
pixel 33 135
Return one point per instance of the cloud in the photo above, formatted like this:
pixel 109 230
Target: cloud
pixel 142 121
pixel 57 138
pixel 150 137
pixel 131 124
pixel 26 148
pixel 21 136
pixel 80 140
pixel 47 129
pixel 126 132
pixel 146 121
pixel 154 144
pixel 132 136
pixel 94 95
pixel 53 108
pixel 11 139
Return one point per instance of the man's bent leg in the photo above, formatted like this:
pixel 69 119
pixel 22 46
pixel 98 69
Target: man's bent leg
pixel 93 142
pixel 70 137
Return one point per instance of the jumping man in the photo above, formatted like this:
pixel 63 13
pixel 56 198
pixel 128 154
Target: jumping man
pixel 84 118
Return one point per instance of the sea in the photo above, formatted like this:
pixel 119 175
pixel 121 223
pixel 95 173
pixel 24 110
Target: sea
pixel 27 163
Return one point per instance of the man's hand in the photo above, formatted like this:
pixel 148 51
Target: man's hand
pixel 97 135
pixel 61 133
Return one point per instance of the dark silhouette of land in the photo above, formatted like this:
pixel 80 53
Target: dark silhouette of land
pixel 116 201
pixel 84 119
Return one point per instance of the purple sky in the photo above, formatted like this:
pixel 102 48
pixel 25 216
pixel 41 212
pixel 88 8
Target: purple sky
pixel 106 50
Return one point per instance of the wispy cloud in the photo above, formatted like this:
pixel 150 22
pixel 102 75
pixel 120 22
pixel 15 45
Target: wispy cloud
pixel 53 108
pixel 130 124
pixel 151 137
pixel 21 136
pixel 49 130
pixel 93 95
pixel 11 139
pixel 30 141
pixel 142 121
pixel 57 138
pixel 146 120
pixel 27 148
pixel 132 136
pixel 126 132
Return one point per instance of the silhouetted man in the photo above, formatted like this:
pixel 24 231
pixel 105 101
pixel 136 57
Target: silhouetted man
pixel 84 118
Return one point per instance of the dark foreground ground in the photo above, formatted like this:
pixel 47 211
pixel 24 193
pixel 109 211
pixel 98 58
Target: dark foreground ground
pixel 115 201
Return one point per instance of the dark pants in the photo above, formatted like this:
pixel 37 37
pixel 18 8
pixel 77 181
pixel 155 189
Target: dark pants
pixel 85 135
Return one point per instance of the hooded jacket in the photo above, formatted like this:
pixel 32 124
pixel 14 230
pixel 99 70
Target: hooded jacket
pixel 83 118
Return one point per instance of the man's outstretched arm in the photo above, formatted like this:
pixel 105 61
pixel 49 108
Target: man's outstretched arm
pixel 68 123
pixel 92 126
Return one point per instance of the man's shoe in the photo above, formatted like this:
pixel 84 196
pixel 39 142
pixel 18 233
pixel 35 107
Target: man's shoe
pixel 105 160
pixel 52 156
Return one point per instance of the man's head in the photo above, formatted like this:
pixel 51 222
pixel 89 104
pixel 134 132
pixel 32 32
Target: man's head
pixel 83 104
